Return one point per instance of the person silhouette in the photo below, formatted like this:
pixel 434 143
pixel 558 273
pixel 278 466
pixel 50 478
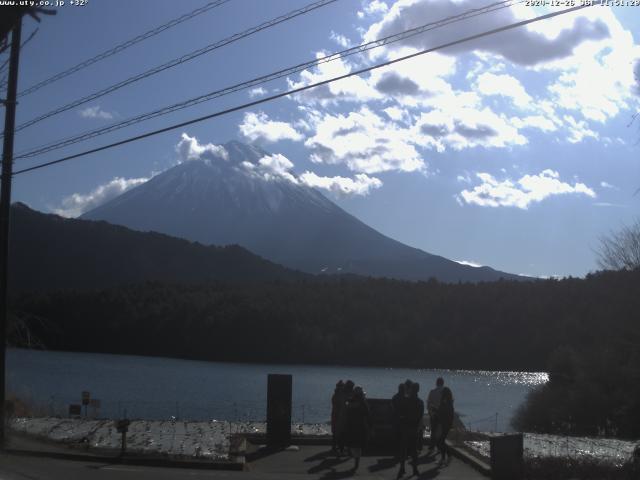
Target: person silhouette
pixel 337 402
pixel 413 411
pixel 433 403
pixel 445 421
pixel 398 410
pixel 358 425
pixel 347 393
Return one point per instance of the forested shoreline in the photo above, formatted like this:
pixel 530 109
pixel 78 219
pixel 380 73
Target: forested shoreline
pixel 585 332
pixel 495 326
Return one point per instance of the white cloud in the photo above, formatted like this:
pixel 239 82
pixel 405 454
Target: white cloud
pixel 540 122
pixel 372 7
pixel 407 81
pixel 604 184
pixel 95 112
pixel 76 204
pixel 258 92
pixel 375 6
pixel 487 63
pixel 341 40
pixel 546 71
pixel 466 127
pixel 188 148
pixel 414 81
pixel 258 126
pixel 279 167
pixel 364 141
pixel 609 205
pixel 396 114
pixel 586 59
pixel 349 89
pixel 361 184
pixel 524 46
pixel 504 85
pixel 272 167
pixel 521 193
pixel 598 80
pixel 578 130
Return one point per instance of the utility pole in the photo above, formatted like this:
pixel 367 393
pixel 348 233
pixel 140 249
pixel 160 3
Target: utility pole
pixel 5 209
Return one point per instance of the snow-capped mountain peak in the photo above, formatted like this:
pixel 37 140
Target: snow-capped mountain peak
pixel 241 194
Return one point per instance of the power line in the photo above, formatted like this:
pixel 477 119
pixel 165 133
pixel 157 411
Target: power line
pixel 306 87
pixel 123 46
pixel 179 61
pixel 266 78
pixel 5 81
pixel 5 64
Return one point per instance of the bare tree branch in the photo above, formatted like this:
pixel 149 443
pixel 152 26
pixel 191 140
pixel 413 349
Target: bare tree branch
pixel 620 250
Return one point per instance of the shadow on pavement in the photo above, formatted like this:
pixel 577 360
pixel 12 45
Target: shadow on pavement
pixel 335 475
pixel 327 464
pixel 431 473
pixel 383 464
pixel 262 452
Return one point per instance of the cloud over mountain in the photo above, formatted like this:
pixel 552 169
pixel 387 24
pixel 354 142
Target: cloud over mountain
pixel 76 204
pixel 258 126
pixel 254 200
pixel 188 148
pixel 361 184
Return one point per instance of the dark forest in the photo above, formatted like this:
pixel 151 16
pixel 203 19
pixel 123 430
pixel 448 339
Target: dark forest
pixel 585 332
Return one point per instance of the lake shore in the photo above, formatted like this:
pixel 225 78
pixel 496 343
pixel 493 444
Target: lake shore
pixel 207 440
pixel 211 440
pixel 153 388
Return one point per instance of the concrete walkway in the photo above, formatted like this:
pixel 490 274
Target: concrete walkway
pixel 317 462
pixel 296 463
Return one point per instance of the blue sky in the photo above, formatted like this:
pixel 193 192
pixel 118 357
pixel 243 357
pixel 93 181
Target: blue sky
pixel 514 151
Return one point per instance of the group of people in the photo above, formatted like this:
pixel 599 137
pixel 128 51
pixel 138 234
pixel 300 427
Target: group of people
pixel 351 421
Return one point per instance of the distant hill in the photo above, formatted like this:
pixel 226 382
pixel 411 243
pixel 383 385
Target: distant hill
pixel 224 199
pixel 51 252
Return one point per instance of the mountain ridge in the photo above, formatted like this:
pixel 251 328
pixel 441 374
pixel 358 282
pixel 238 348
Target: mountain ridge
pixel 230 196
pixel 51 252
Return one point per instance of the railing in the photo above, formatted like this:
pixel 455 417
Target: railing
pixel 236 411
pixel 486 424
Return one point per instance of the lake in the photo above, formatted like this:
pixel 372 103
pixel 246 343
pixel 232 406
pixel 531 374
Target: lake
pixel 161 388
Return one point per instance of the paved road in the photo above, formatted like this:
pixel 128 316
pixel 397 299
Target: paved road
pixel 305 463
pixel 32 468
pixel 316 462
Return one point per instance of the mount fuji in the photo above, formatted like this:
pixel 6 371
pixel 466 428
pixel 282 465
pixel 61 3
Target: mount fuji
pixel 228 196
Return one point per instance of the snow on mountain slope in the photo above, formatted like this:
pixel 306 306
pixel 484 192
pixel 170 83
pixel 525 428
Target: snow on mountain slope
pixel 242 194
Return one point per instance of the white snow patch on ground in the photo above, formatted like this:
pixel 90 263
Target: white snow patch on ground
pixel 608 450
pixel 205 440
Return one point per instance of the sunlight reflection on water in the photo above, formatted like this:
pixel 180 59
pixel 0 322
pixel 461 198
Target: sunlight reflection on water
pixel 160 388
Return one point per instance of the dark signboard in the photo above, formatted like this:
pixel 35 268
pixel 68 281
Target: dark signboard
pixel 382 428
pixel 279 392
pixel 507 457
pixel 122 426
pixel 75 410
